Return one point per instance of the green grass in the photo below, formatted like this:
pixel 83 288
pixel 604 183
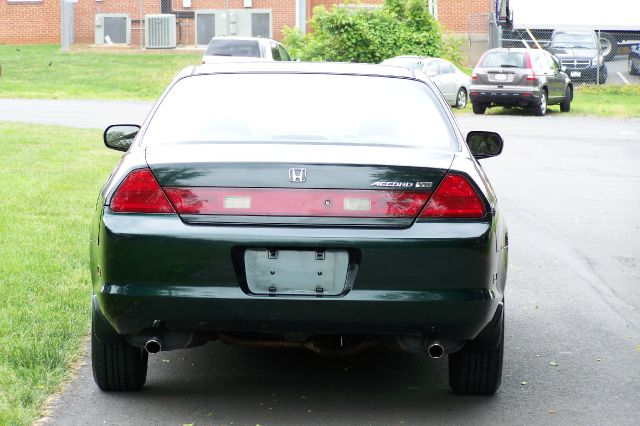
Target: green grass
pixel 49 181
pixel 603 101
pixel 607 101
pixel 43 71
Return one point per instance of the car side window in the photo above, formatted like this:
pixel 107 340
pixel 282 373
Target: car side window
pixel 445 68
pixel 275 52
pixel 540 64
pixel 553 63
pixel 431 68
pixel 284 55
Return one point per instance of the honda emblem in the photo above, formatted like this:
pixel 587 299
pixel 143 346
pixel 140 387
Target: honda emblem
pixel 298 175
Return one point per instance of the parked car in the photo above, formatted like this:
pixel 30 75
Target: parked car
pixel 335 227
pixel 579 51
pixel 453 83
pixel 225 49
pixel 634 59
pixel 530 78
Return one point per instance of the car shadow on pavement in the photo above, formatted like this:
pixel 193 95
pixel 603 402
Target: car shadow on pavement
pixel 244 385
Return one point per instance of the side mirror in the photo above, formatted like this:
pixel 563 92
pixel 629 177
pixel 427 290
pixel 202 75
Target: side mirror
pixel 484 144
pixel 563 68
pixel 120 136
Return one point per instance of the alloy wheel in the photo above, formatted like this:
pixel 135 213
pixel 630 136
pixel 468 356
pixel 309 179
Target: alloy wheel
pixel 461 99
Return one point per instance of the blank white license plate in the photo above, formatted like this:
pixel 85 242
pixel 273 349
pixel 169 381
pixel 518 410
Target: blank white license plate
pixel 576 74
pixel 296 272
pixel 501 77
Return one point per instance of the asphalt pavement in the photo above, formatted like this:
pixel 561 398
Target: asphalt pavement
pixel 618 72
pixel 569 188
pixel 74 113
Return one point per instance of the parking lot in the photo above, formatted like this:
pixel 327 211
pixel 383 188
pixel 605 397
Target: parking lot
pixel 569 190
pixel 618 72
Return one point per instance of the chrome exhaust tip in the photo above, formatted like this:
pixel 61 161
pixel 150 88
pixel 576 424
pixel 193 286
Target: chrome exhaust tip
pixel 153 345
pixel 435 350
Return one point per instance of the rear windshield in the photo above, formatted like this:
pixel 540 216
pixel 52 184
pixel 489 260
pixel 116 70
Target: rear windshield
pixel 244 48
pixel 503 59
pixel 302 108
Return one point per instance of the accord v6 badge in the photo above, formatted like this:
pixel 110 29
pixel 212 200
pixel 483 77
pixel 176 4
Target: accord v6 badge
pixel 403 184
pixel 424 184
pixel 393 184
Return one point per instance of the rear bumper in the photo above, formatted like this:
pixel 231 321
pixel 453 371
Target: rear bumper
pixel 461 314
pixel 189 278
pixel 504 96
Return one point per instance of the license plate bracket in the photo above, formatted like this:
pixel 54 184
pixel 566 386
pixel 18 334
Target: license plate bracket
pixel 296 272
pixel 500 77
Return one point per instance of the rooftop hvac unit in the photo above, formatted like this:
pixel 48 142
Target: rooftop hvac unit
pixel 160 31
pixel 113 28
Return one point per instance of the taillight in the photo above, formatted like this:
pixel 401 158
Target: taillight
pixel 530 74
pixel 297 202
pixel 474 76
pixel 455 197
pixel 140 193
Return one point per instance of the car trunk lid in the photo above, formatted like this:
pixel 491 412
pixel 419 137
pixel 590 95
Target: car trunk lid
pixel 297 184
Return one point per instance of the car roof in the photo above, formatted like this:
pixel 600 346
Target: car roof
pixel 299 67
pixel 511 49
pixel 239 38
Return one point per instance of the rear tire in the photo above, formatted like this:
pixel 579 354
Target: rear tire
pixel 461 98
pixel 632 68
pixel 474 370
pixel 540 107
pixel 602 77
pixel 565 105
pixel 478 108
pixel 117 366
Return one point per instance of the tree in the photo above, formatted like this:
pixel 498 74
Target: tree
pixel 399 27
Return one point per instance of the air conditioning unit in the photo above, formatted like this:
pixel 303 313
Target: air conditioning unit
pixel 160 31
pixel 113 28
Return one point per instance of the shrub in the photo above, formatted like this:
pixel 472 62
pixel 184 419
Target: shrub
pixel 399 27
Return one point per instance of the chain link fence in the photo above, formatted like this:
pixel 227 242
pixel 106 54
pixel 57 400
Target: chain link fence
pixel 590 57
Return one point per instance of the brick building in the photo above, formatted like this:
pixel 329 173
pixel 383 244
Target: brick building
pixel 38 21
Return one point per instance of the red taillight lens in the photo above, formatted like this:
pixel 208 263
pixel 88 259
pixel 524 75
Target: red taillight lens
pixel 474 76
pixel 455 197
pixel 530 74
pixel 140 193
pixel 297 202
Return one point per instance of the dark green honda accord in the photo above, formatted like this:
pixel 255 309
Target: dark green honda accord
pixel 332 207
